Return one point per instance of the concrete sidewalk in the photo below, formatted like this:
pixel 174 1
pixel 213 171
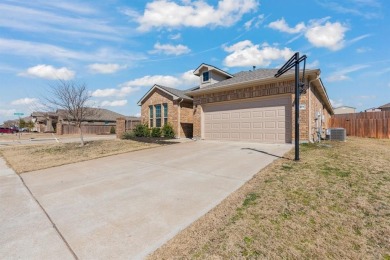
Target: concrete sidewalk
pixel 25 230
pixel 126 206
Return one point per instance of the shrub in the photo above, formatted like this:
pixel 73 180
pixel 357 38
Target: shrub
pixel 167 131
pixel 112 130
pixel 141 130
pixel 128 135
pixel 156 132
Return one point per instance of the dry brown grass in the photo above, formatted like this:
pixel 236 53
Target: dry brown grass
pixel 333 204
pixel 30 158
pixel 32 135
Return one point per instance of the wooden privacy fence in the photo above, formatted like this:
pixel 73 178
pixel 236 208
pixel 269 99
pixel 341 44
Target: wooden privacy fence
pixel 365 124
pixel 131 123
pixel 87 129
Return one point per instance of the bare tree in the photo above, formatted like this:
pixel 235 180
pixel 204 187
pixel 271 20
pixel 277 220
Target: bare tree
pixel 73 99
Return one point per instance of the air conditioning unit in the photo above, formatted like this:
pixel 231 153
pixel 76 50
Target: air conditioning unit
pixel 336 134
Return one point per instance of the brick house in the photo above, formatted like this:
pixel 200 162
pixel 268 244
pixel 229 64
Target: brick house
pixel 162 105
pixel 247 106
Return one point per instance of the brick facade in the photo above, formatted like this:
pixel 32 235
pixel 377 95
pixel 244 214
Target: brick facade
pixel 182 127
pixel 120 127
pixel 307 110
pixel 190 123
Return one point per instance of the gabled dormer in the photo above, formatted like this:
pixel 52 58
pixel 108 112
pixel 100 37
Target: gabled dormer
pixel 209 75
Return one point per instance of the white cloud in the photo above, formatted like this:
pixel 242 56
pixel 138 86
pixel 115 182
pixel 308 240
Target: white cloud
pixel 337 77
pixel 176 36
pixel 320 33
pixel 102 68
pixel 43 50
pixel 49 72
pixel 313 65
pixel 184 80
pixel 254 22
pixel 363 49
pixel 115 103
pixel 50 17
pixel 7 112
pixel 169 49
pixel 369 9
pixel 330 35
pixel 342 74
pixel 282 26
pixel 24 101
pixel 118 92
pixel 188 79
pixel 245 53
pixel 167 13
pixel 149 81
pixel 336 103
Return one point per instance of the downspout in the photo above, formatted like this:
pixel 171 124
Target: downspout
pixel 310 128
pixel 178 118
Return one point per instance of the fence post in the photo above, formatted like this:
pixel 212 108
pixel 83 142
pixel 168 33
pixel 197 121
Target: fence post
pixel 120 127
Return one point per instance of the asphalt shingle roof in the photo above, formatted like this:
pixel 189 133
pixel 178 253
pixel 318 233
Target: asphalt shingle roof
pixel 176 92
pixel 245 76
pixel 385 105
pixel 98 114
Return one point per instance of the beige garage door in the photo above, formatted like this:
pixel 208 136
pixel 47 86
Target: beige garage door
pixel 265 120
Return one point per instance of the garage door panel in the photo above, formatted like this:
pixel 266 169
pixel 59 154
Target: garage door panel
pixel 216 126
pixel 267 120
pixel 270 113
pixel 270 125
pixel 258 125
pixel 257 114
pixel 245 115
pixel 245 125
pixel 235 115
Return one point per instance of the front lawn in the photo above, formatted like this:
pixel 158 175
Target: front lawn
pixel 334 203
pixel 36 157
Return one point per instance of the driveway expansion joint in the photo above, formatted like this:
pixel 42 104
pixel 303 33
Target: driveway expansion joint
pixel 49 218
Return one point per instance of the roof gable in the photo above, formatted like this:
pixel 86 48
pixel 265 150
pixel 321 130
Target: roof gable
pixel 173 92
pixel 211 68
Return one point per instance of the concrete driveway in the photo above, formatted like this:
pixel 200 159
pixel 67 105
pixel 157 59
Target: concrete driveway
pixel 126 206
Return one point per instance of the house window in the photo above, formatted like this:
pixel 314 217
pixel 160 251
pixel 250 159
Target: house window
pixel 206 76
pixel 150 116
pixel 158 115
pixel 165 105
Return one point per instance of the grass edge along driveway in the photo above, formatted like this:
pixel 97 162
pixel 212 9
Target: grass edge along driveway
pixel 37 157
pixel 334 203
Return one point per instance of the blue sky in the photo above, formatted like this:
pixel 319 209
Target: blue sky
pixel 121 48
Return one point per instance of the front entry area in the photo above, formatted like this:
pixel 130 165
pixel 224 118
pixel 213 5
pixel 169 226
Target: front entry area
pixel 264 120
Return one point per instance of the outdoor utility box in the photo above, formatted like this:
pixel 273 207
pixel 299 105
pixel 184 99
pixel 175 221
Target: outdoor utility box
pixel 336 134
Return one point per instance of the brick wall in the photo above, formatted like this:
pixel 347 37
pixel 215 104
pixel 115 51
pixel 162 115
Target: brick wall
pixel 184 129
pixel 316 122
pixel 120 127
pixel 159 97
pixel 306 112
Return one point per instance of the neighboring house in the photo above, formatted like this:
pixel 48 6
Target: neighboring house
pixel 247 106
pixel 98 121
pixel 344 110
pixel 373 109
pixel 385 107
pixel 44 122
pixel 93 116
